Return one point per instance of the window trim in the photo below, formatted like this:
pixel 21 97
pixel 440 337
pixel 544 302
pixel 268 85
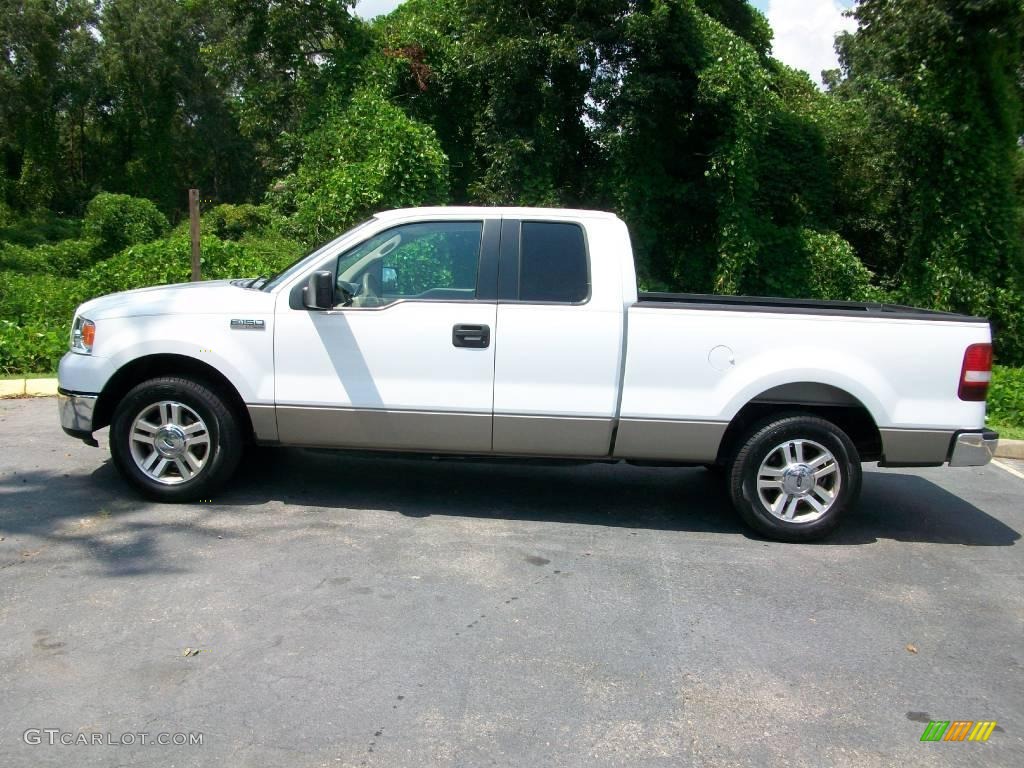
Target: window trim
pixel 510 262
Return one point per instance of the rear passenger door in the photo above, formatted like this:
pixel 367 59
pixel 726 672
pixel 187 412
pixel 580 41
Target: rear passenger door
pixel 557 357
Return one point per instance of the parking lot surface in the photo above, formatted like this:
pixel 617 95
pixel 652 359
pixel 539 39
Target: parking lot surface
pixel 391 612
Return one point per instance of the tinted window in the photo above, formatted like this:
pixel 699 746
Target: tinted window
pixel 432 261
pixel 553 263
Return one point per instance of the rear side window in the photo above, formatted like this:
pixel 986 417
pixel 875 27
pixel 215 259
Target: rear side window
pixel 553 263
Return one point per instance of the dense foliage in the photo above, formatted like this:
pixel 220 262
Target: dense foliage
pixel 1006 396
pixel 36 303
pixel 369 157
pixel 902 181
pixel 117 221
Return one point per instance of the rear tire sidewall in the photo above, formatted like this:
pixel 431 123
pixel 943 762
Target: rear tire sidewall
pixel 763 440
pixel 225 440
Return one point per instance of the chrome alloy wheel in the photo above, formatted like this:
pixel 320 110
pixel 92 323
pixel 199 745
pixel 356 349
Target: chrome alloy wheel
pixel 170 443
pixel 799 481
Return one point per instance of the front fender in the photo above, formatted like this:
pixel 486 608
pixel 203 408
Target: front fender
pixel 243 357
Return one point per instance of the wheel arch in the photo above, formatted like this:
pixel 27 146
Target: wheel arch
pixel 814 398
pixel 165 364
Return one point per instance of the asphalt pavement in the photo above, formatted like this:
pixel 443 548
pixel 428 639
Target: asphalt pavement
pixel 353 611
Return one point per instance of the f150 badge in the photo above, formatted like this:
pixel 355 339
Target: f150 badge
pixel 248 325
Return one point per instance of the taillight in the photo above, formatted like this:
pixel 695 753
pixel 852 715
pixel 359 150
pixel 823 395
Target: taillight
pixel 976 372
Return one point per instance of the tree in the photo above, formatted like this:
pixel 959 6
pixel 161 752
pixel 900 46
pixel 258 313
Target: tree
pixel 930 161
pixel 168 125
pixel 716 158
pixel 47 65
pixel 505 86
pixel 280 62
pixel 369 157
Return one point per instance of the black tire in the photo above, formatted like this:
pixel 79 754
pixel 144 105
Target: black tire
pixel 763 440
pixel 225 438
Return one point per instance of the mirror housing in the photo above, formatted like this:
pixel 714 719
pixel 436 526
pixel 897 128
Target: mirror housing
pixel 318 293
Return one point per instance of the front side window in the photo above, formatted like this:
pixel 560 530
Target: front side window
pixel 553 263
pixel 428 261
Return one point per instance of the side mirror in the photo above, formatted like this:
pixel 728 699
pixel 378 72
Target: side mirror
pixel 318 292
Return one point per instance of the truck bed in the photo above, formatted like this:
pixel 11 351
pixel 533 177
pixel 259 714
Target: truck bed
pixel 798 306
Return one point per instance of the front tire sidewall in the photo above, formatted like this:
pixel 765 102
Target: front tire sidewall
pixel 761 443
pixel 224 441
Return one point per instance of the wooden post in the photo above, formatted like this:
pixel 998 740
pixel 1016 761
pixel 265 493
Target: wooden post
pixel 193 217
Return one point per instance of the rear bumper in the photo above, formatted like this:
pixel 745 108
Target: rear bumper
pixel 76 411
pixel 935 447
pixel 973 449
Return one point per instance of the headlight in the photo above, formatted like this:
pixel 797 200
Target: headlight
pixel 83 334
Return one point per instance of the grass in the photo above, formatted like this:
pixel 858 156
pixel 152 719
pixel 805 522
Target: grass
pixel 1007 431
pixel 9 376
pixel 1006 402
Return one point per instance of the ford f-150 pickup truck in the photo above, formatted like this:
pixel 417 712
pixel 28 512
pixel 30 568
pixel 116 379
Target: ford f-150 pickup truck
pixel 519 332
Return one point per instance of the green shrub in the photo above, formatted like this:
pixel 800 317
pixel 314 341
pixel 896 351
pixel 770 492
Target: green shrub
pixel 801 263
pixel 35 319
pixel 67 258
pixel 369 158
pixel 170 261
pixel 38 228
pixel 37 308
pixel 835 271
pixel 117 221
pixel 64 258
pixel 233 222
pixel 1007 318
pixel 32 348
pixel 18 258
pixel 39 298
pixel 1006 396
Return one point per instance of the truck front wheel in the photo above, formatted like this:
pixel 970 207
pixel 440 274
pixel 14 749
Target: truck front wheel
pixel 794 477
pixel 175 439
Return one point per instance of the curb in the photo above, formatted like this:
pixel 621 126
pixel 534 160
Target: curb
pixel 28 387
pixel 1010 449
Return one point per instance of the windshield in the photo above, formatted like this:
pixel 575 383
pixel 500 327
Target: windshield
pixel 300 262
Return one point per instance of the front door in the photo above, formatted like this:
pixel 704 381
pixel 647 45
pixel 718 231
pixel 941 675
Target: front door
pixel 405 360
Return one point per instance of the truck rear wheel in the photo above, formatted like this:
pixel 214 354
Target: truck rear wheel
pixel 794 477
pixel 175 439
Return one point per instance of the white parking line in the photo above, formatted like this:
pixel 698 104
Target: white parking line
pixel 1009 469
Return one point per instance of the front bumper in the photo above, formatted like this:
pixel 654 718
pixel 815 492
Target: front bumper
pixel 76 410
pixel 973 449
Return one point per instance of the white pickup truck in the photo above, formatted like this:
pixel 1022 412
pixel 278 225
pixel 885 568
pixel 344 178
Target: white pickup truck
pixel 519 332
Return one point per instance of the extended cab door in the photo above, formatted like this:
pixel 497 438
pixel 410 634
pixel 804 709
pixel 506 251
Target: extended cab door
pixel 405 359
pixel 559 354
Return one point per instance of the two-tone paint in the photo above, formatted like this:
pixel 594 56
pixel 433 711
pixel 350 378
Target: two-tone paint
pixel 615 376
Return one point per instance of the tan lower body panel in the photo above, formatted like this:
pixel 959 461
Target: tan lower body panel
pixel 552 436
pixel 668 440
pixel 513 435
pixel 916 446
pixel 384 430
pixel 264 422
